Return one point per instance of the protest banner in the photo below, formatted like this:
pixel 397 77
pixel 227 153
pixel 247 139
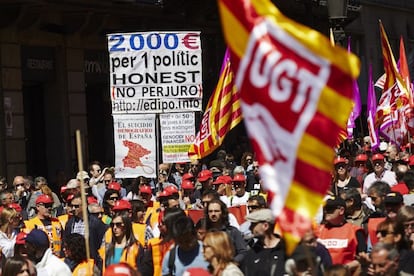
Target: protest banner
pixel 135 145
pixel 155 72
pixel 177 134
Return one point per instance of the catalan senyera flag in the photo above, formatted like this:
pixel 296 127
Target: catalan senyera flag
pixel 393 106
pixel 296 95
pixel 222 114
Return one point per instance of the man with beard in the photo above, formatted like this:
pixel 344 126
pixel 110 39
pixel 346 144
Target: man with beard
pixel 267 255
pixel 37 246
pixel 76 224
pixel 45 222
pixel 217 216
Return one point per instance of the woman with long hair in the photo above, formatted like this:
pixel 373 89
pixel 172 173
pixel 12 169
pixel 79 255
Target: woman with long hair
pixel 16 266
pixel 342 179
pixel 218 250
pixel 9 221
pixel 123 248
pixel 109 199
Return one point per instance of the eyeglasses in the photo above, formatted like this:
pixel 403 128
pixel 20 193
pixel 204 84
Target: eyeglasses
pixel 117 224
pixel 383 233
pixel 74 206
pixel 340 166
pixel 253 207
pixel 409 225
pixel 378 163
pixel 113 198
pixel 48 205
pixel 107 181
pixel 19 184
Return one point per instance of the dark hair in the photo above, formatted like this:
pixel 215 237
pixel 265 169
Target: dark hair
pixel 137 205
pixel 170 216
pixel 353 194
pixel 260 200
pixel 380 187
pixel 183 226
pixel 94 163
pixel 201 224
pixel 129 235
pixel 224 213
pixel 211 193
pixel 409 179
pixel 76 244
pixel 13 265
pixel 105 205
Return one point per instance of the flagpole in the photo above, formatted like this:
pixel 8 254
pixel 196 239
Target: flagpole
pixel 83 195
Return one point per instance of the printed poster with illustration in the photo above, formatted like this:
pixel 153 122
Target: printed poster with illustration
pixel 135 148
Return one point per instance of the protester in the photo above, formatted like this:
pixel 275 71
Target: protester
pixel 17 266
pixel 188 251
pixel 38 251
pixel 267 255
pixel 218 250
pixel 9 221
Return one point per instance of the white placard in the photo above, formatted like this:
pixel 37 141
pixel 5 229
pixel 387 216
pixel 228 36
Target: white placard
pixel 177 134
pixel 135 145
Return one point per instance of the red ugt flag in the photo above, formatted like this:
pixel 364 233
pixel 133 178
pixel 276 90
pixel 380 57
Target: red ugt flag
pixel 296 93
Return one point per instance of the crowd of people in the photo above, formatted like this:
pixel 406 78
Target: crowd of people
pixel 210 218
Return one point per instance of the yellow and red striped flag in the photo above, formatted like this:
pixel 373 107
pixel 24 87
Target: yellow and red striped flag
pixel 296 95
pixel 394 105
pixel 222 114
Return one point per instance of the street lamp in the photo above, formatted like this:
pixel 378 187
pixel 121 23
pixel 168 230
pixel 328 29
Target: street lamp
pixel 337 13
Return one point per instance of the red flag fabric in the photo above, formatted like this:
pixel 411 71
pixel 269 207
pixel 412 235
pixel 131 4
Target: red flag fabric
pixel 394 101
pixel 296 94
pixel 222 114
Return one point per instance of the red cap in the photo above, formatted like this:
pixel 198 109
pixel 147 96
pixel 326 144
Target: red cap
pixel 69 197
pixel 15 206
pixel 171 190
pixel 163 194
pixel 188 176
pixel 145 189
pixel 45 199
pixel 339 160
pixel 63 189
pixel 121 205
pixel 187 185
pixel 21 238
pixel 239 178
pixel 114 186
pixel 92 200
pixel 121 269
pixel 378 156
pixel 223 179
pixel 361 158
pixel 205 175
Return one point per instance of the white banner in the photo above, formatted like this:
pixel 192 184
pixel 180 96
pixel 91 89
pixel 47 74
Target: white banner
pixel 135 145
pixel 155 72
pixel 177 135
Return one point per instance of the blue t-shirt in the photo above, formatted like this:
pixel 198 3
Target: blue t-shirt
pixel 185 260
pixel 116 258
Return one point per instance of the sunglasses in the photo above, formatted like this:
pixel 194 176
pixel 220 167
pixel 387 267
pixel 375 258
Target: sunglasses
pixel 253 207
pixel 383 233
pixel 113 198
pixel 49 205
pixel 117 224
pixel 19 184
pixel 74 206
pixel 409 225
